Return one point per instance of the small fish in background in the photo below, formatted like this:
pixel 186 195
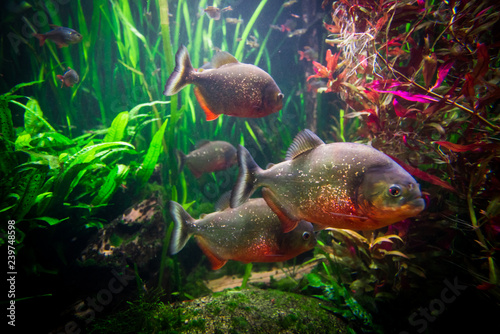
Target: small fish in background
pixel 214 12
pixel 209 156
pixel 233 20
pixel 297 32
pixel 62 36
pixel 308 54
pixel 288 26
pixel 249 233
pixel 289 3
pixel 228 87
pixel 69 78
pixel 340 185
pixel 252 42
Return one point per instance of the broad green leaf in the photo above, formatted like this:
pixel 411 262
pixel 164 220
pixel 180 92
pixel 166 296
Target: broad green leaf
pixel 33 117
pixel 113 181
pixel 23 141
pixel 75 164
pixel 28 182
pixel 51 221
pixel 155 148
pixel 87 154
pixel 35 114
pixel 116 131
pixel 6 127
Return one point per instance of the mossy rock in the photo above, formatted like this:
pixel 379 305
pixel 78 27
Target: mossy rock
pixel 249 311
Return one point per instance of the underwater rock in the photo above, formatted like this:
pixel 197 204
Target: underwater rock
pixel 134 238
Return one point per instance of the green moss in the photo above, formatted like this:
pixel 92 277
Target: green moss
pixel 115 240
pixel 231 311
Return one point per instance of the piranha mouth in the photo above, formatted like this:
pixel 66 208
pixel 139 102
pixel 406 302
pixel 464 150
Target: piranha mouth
pixel 414 206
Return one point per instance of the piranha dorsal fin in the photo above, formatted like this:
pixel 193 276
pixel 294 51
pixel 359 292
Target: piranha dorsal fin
pixel 247 178
pixel 288 222
pixel 304 141
pixel 182 229
pixel 180 77
pixel 201 143
pixel 222 58
pixel 216 262
pixel 204 105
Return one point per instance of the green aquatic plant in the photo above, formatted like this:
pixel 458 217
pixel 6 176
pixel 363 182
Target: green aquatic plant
pixel 341 301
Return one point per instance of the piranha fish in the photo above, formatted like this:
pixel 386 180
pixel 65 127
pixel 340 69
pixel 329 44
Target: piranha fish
pixel 69 78
pixel 249 233
pixel 209 156
pixel 339 185
pixel 229 87
pixel 62 36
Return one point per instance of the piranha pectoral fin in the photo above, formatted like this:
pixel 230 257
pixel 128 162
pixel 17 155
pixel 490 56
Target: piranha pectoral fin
pixel 288 221
pixel 247 178
pixel 203 103
pixel 216 262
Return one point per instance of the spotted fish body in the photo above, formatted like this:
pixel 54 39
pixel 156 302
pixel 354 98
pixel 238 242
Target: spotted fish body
pixel 209 156
pixel 229 87
pixel 249 233
pixel 339 185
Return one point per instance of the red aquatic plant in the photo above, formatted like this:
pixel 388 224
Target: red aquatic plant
pixel 420 81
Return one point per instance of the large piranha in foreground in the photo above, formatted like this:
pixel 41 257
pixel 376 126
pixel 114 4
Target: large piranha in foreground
pixel 340 185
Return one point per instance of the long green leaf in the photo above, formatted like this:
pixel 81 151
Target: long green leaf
pixel 151 158
pixel 117 129
pixel 239 51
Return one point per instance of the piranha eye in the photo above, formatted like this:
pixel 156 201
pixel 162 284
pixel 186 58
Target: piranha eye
pixel 395 191
pixel 280 96
pixel 306 235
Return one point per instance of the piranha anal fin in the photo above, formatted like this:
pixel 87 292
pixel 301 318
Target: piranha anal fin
pixel 183 222
pixel 246 182
pixel 288 222
pixel 204 105
pixel 180 77
pixel 304 141
pixel 216 262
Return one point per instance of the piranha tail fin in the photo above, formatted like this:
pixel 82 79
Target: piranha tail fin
pixel 182 229
pixel 41 38
pixel 182 71
pixel 247 178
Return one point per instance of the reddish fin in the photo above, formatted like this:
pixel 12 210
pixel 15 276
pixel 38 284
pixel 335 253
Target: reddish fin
pixel 216 262
pixel 60 77
pixel 41 38
pixel 201 100
pixel 288 223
